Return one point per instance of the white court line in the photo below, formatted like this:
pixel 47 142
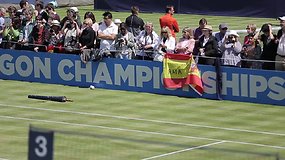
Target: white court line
pixel 139 131
pixel 184 150
pixel 145 120
pixel 3 159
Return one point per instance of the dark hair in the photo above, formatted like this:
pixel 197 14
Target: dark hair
pixel 22 3
pixel 12 9
pixel 90 15
pixel 135 9
pixel 123 25
pixel 108 14
pixel 40 4
pixel 265 28
pixel 168 8
pixel 203 21
pixel 50 6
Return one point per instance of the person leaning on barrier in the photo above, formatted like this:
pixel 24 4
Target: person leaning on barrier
pixel 186 43
pixel 2 23
pixel 230 49
pixel 208 46
pixel 166 44
pixel 39 35
pixel 71 31
pixel 107 32
pixel 124 43
pixel 280 57
pixel 251 51
pixel 11 33
pixel 27 27
pixel 55 38
pixel 146 41
pixel 86 40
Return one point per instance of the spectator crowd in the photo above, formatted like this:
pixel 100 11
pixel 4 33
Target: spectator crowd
pixel 39 28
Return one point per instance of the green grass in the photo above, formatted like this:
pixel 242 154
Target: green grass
pixel 152 124
pixel 107 124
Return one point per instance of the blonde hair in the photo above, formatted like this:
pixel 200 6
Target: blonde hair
pixel 190 31
pixel 149 24
pixel 88 21
pixel 251 27
pixel 165 29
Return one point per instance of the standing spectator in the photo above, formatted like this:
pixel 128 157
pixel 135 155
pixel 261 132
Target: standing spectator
pixel 269 46
pixel 87 37
pixel 24 4
pixel 12 11
pixel 166 44
pixel 71 15
pixel 230 49
pixel 107 31
pixel 186 44
pixel 51 12
pixel 281 46
pixel 41 11
pixel 208 46
pixel 11 33
pixel 198 31
pixel 220 36
pixel 39 35
pixel 2 21
pixel 27 28
pixel 250 29
pixel 146 42
pixel 251 51
pixel 124 43
pixel 55 37
pixel 95 25
pixel 169 21
pixel 135 24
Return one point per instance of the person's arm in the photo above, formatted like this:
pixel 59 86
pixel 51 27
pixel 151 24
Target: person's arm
pixel 101 35
pixel 175 26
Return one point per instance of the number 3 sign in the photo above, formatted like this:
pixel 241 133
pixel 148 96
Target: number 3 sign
pixel 40 145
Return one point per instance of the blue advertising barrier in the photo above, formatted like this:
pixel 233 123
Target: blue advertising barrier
pixel 244 85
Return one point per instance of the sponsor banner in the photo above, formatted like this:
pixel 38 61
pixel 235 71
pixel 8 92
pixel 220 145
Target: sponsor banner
pixel 245 85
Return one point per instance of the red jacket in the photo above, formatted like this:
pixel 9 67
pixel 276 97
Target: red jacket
pixel 169 21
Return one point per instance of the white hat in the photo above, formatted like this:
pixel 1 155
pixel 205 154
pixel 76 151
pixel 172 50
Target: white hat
pixel 75 9
pixel 232 32
pixel 208 27
pixel 117 21
pixel 55 23
pixel 282 18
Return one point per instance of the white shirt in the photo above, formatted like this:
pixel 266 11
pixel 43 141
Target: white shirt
pixel 1 28
pixel 281 45
pixel 107 30
pixel 169 43
pixel 144 40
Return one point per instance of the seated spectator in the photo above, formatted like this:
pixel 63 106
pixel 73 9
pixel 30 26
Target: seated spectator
pixel 107 32
pixel 135 24
pixel 251 51
pixel 146 41
pixel 230 49
pixel 208 46
pixel 166 44
pixel 39 35
pixel 220 36
pixel 185 44
pixel 70 31
pixel 55 37
pixel 124 43
pixel 269 46
pixel 27 28
pixel 11 33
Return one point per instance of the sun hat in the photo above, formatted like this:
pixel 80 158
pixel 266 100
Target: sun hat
pixel 232 32
pixel 208 27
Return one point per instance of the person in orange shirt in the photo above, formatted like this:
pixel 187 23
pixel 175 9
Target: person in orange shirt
pixel 169 21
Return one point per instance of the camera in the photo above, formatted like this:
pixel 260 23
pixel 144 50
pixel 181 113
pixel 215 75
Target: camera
pixel 231 39
pixel 68 23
